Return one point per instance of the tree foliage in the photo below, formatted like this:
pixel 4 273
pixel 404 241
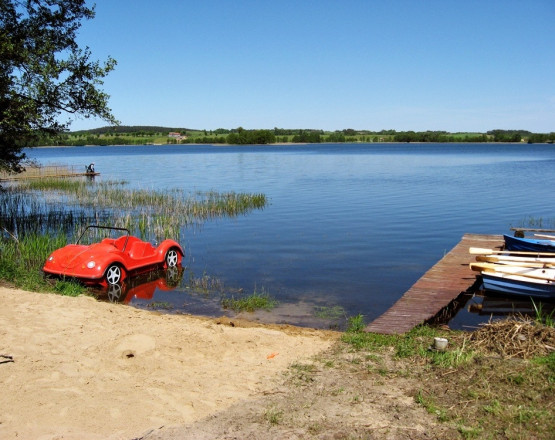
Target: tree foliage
pixel 308 136
pixel 131 129
pixel 250 137
pixel 508 135
pixel 45 77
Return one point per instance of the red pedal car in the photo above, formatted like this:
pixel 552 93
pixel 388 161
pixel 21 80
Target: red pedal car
pixel 111 260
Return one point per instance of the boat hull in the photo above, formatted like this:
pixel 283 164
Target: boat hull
pixel 528 244
pixel 514 285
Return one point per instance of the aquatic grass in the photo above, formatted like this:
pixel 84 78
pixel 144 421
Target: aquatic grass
pixel 158 305
pixel 204 283
pixel 55 184
pixel 537 223
pixel 153 214
pixel 250 303
pixel 29 213
pixel 331 313
pixel 202 205
pixel 38 205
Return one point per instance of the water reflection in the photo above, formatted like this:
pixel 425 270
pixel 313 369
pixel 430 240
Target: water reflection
pixel 483 306
pixel 487 303
pixel 143 286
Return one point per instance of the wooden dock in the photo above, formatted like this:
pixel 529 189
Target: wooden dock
pixel 439 286
pixel 48 171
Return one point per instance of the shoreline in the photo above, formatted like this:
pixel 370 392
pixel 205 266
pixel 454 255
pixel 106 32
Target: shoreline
pixel 292 144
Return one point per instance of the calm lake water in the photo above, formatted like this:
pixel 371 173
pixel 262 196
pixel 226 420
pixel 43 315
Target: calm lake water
pixel 347 226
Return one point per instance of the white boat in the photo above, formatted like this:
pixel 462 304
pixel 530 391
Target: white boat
pixel 517 280
pixel 518 285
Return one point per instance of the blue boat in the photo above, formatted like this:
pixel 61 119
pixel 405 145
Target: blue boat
pixel 519 286
pixel 528 244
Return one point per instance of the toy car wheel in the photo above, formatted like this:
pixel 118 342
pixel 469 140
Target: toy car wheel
pixel 172 258
pixel 113 274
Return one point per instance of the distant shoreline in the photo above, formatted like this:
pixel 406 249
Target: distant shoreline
pixel 294 143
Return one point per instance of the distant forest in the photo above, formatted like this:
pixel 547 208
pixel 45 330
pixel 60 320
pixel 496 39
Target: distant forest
pixel 140 135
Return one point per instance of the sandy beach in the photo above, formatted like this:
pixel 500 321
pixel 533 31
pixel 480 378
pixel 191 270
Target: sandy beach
pixel 76 368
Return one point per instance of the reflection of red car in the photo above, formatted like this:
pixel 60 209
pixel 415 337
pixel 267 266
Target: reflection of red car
pixel 111 260
pixel 144 286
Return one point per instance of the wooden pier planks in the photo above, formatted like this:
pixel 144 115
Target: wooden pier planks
pixel 48 171
pixel 440 285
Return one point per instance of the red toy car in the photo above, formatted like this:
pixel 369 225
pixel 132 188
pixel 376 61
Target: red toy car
pixel 111 260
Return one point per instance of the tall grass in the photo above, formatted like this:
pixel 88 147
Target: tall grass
pixel 33 205
pixel 24 213
pixel 542 316
pixel 21 261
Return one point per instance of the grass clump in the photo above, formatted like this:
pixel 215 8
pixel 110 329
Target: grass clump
pixel 68 288
pixel 273 416
pixel 250 303
pixel 160 305
pixel 355 324
pixel 332 313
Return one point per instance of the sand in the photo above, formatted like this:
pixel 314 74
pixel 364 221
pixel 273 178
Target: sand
pixel 76 368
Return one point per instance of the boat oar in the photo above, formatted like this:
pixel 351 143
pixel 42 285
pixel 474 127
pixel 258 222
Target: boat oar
pixel 551 237
pixel 496 268
pixel 508 262
pixel 480 251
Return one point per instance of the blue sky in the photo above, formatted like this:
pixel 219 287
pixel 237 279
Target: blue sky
pixel 472 65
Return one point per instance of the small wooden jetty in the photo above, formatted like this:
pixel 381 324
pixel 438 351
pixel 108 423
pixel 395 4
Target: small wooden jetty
pixel 49 171
pixel 439 286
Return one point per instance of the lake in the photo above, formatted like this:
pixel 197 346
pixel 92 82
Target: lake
pixel 348 227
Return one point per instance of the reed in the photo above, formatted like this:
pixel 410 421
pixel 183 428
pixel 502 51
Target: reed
pixel 27 213
pixel 204 283
pixel 149 213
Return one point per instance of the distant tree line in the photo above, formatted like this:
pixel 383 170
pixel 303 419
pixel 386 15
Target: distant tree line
pixel 137 130
pixel 248 137
pixel 435 136
pixel 140 135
